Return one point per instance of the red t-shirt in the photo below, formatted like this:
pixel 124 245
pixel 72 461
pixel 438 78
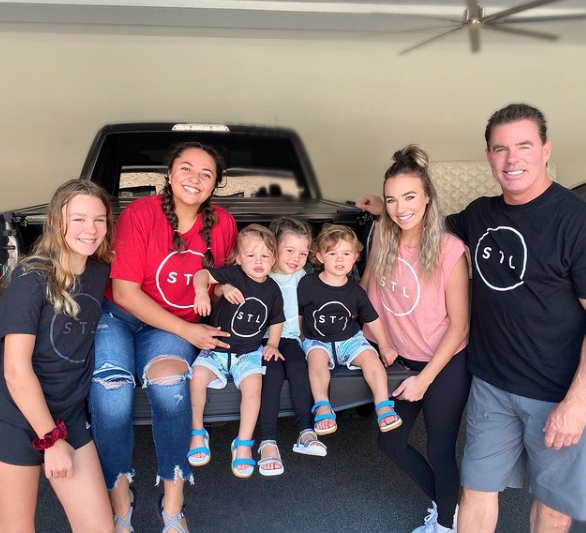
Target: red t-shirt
pixel 145 255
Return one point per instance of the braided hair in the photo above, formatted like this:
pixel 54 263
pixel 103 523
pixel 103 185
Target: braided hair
pixel 206 210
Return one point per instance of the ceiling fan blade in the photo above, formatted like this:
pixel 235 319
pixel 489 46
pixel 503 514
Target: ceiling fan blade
pixel 474 37
pixel 523 7
pixel 427 41
pixel 377 34
pixel 523 33
pixel 553 18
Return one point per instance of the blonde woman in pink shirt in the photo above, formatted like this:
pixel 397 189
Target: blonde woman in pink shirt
pixel 417 279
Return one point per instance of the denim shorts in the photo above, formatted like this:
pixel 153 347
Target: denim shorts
pixel 504 438
pixel 342 352
pixel 224 364
pixel 16 443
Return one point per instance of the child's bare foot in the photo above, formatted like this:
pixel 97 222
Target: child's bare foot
pixel 199 448
pixel 270 463
pixel 325 418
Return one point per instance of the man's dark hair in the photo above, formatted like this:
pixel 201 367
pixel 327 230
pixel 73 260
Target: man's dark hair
pixel 514 113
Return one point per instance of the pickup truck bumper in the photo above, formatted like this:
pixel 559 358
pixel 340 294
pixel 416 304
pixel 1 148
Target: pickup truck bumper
pixel 347 390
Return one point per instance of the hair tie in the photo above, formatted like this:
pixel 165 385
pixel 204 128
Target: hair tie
pixel 402 158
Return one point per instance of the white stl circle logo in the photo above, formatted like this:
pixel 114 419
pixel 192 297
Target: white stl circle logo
pixel 249 318
pixel 175 278
pixel 64 328
pixel 501 258
pixel 331 318
pixel 400 298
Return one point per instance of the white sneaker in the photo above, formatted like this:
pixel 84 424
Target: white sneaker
pixel 429 522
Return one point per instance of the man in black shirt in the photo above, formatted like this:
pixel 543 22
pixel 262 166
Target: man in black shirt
pixel 528 397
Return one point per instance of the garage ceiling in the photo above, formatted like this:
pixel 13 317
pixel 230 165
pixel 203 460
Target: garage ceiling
pixel 340 19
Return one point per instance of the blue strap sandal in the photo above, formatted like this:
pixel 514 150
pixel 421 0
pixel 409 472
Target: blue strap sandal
pixel 380 417
pixel 327 416
pixel 205 449
pixel 246 472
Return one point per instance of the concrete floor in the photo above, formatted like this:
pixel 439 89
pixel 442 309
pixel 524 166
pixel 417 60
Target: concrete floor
pixel 354 489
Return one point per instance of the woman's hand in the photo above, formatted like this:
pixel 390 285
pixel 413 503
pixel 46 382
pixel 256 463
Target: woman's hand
pixel 203 336
pixel 59 460
pixel 272 352
pixel 412 389
pixel 371 203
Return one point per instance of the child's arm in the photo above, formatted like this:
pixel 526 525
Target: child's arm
pixel 271 350
pixel 25 389
pixel 387 353
pixel 201 281
pixel 229 292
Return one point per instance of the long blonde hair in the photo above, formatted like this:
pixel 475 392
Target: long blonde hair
pixel 414 161
pixel 50 254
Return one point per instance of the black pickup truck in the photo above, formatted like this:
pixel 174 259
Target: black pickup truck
pixel 269 174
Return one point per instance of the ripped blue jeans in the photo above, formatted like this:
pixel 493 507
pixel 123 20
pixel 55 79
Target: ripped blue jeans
pixel 125 347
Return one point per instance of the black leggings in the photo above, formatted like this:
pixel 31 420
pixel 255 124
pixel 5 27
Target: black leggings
pixel 295 368
pixel 442 406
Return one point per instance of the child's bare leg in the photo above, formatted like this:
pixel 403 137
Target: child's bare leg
pixel 201 378
pixel 375 376
pixel 319 380
pixel 83 496
pixel 18 498
pixel 250 388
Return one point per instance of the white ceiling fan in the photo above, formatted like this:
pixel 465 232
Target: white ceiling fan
pixel 476 20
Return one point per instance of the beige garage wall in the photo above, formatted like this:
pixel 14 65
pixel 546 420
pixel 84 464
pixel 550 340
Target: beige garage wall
pixel 353 101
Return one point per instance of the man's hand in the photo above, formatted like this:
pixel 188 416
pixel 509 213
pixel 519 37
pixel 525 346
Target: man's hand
pixel 565 424
pixel 371 203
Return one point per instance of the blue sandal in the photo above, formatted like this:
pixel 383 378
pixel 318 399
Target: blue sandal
pixel 386 414
pixel 247 472
pixel 327 416
pixel 205 449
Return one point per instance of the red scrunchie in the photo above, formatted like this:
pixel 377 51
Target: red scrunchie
pixel 58 432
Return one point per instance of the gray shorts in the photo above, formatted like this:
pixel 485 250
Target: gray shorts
pixel 504 437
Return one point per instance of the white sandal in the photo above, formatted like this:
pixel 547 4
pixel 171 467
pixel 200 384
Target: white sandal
pixel 273 471
pixel 311 446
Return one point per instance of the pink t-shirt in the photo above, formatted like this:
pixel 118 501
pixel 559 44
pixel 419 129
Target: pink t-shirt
pixel 144 254
pixel 412 308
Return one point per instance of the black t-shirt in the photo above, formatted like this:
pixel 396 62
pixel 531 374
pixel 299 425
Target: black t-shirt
pixel 247 322
pixel 330 313
pixel 529 260
pixel 63 354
